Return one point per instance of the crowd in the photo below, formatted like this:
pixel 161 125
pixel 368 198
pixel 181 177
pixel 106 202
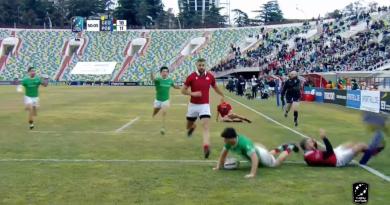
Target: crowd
pixel 326 52
pixel 254 88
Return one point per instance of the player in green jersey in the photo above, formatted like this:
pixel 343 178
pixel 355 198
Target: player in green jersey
pixel 257 154
pixel 162 84
pixel 31 98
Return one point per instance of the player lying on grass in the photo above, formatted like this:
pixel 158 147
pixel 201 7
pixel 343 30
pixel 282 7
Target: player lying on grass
pixel 162 85
pixel 341 156
pixel 257 154
pixel 31 98
pixel 225 113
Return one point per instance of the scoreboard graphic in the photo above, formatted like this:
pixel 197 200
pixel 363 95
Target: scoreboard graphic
pixel 106 25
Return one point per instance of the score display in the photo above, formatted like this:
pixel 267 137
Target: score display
pixel 106 25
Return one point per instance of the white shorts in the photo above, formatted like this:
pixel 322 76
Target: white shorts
pixel 266 159
pixel 344 155
pixel 33 101
pixel 161 104
pixel 271 88
pixel 197 110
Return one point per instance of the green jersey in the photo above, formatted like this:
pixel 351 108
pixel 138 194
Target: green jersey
pixel 244 147
pixel 31 86
pixel 162 88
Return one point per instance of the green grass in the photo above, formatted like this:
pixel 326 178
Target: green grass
pixel 105 109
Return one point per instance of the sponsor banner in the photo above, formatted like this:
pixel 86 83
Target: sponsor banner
pixel 319 95
pixel 329 96
pixel 340 97
pixel 353 99
pixel 102 83
pixel 370 101
pixel 307 90
pixel 385 102
pixel 7 83
pixel 94 68
pixel 93 25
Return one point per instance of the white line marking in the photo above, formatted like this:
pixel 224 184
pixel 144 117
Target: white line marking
pixel 369 169
pixel 126 125
pixel 184 161
pixel 98 132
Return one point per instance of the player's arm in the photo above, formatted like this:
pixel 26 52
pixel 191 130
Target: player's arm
pixel 152 77
pixel 328 145
pixel 175 86
pixel 283 93
pixel 45 80
pixel 185 91
pixel 255 164
pixel 222 158
pixel 217 119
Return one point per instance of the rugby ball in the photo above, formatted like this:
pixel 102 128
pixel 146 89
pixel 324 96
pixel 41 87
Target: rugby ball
pixel 231 164
pixel 19 88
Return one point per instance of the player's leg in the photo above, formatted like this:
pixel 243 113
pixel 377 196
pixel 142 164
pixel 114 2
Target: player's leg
pixel 192 115
pixel 28 102
pixel 156 107
pixel 29 108
pixel 227 119
pixel 360 148
pixel 165 106
pixel 205 115
pixel 282 157
pixel 289 101
pixel 295 106
pixel 377 145
pixel 34 110
pixel 155 111
pixel 205 121
pixel 284 151
pixel 265 158
pixel 346 152
pixel 284 147
pixel 235 116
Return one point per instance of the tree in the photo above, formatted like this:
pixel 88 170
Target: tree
pixel 213 18
pixel 85 8
pixel 241 18
pixel 190 19
pixel 336 14
pixel 10 12
pixel 373 6
pixel 127 11
pixel 59 14
pixel 270 12
pixel 140 12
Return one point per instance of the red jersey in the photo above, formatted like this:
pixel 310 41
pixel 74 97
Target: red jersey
pixel 317 158
pixel 200 83
pixel 224 108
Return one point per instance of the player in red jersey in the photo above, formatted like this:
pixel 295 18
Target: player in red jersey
pixel 225 112
pixel 338 157
pixel 200 82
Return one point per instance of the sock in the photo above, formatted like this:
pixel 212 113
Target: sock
pixel 30 121
pixel 281 148
pixel 295 116
pixel 205 146
pixel 373 148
